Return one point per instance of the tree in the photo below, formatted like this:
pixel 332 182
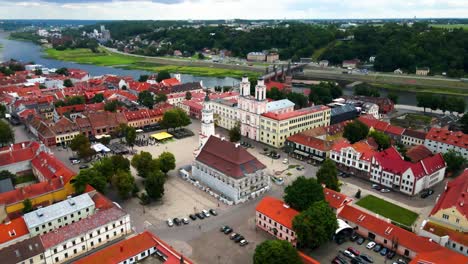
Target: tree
pixel 63 71
pixel 142 163
pixel 98 98
pixel 146 98
pixel 454 160
pixel 200 56
pixel 327 174
pixel 298 99
pixel 235 133
pixel 124 182
pixel 67 83
pixel 3 110
pixel 111 106
pixel 166 162
pixel 6 134
pixel 366 90
pixel 424 100
pixel 464 123
pixel 183 118
pixel 92 177
pixel 276 252
pixel 82 146
pixel 160 98
pixel 154 184
pixel 275 94
pixel 315 226
pixel 163 75
pixel 303 192
pixel 175 118
pixel 38 71
pixel 355 131
pixel 5 174
pixel 27 206
pixel 383 140
pixel 393 97
pixel 358 194
pixel 130 136
pixel 143 78
pixel 188 95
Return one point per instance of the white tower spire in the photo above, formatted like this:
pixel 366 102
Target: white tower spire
pixel 245 86
pixel 207 121
pixel 260 90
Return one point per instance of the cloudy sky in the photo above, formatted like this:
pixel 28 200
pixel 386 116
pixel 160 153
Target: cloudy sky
pixel 227 9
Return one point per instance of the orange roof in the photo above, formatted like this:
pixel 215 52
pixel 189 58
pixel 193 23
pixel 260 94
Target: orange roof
pixel 448 137
pixel 170 82
pixel 51 167
pixel 30 191
pixel 18 152
pixel 131 247
pixel 277 211
pixel 306 259
pixel 443 255
pixel 296 113
pixel 454 195
pixel 12 230
pixel 335 199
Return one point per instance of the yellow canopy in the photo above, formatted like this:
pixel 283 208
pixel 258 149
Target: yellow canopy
pixel 161 136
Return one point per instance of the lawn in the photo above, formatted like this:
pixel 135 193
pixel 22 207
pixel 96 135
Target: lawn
pixel 421 89
pixel 450 26
pixel 389 210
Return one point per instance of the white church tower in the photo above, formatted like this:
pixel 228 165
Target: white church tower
pixel 207 121
pixel 245 86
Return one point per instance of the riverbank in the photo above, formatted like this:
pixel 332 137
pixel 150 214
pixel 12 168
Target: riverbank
pixel 108 58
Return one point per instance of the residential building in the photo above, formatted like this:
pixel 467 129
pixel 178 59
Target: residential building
pixel 336 200
pixel 385 105
pixel 341 113
pixel 351 64
pixel 422 71
pixel 275 128
pixel 230 170
pixel 256 56
pixel 302 146
pixel 49 218
pixel 16 158
pixel 225 112
pixel 417 153
pixel 45 166
pixel 143 117
pixel 353 158
pixel 135 249
pixel 13 231
pixel 103 123
pixel 275 217
pixel 413 137
pixel 323 63
pixel 89 233
pixel 272 57
pixel 443 140
pixel 26 251
pixel 65 131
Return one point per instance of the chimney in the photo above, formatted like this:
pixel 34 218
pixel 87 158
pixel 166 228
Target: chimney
pixel 285 205
pixel 61 180
pixel 22 145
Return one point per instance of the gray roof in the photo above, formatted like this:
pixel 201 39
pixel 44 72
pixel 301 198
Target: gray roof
pixel 21 251
pixel 280 104
pixel 58 210
pixel 6 185
pixel 343 109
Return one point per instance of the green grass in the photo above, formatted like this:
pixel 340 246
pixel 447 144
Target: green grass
pixel 25 178
pixel 421 89
pixel 389 210
pixel 418 117
pixel 450 26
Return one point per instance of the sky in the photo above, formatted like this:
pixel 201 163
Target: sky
pixel 230 9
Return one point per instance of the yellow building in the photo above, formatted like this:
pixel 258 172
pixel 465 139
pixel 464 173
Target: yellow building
pixel 275 128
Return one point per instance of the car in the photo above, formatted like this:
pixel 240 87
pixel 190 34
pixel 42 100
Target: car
pixel 348 254
pixel 238 239
pixel 360 241
pixel 300 167
pixel 170 223
pixel 193 217
pixel 358 260
pixel 426 193
pixel 367 258
pixel 354 237
pixel 84 166
pixel 345 175
pixel 376 187
pixel 370 245
pixel 221 229
pixel 339 260
pixel 185 221
pixel 200 215
pixel 234 236
pixel 385 190
pixel 177 221
pixel 354 251
pixel 227 231
pixel 205 213
pixel 213 212
pixel 391 254
pixel 276 156
pixel 243 242
pixel 377 248
pixel 384 251
pixel 75 161
pixel 285 161
pixel 401 261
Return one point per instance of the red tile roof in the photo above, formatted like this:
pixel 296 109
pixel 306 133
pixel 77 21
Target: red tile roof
pixel 454 195
pixel 415 134
pixel 131 247
pixel 100 201
pixel 458 236
pixel 395 130
pixel 335 199
pixel 139 86
pixel 30 191
pixel 312 142
pixel 443 255
pixel 417 153
pixel 458 139
pixel 170 82
pixel 296 113
pixel 70 109
pixel 277 211
pixel 73 230
pixel 306 259
pixel 225 157
pixel 12 230
pixel 18 152
pixel 272 84
pixel 51 167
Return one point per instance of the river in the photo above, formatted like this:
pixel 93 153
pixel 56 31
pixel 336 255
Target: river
pixel 26 51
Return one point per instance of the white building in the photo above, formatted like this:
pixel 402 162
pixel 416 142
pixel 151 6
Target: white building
pixel 251 107
pixel 47 219
pixel 413 137
pixel 207 122
pixel 230 170
pixel 442 140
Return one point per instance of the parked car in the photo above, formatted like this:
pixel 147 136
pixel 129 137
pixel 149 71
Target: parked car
pixel 376 187
pixel 234 236
pixel 385 190
pixel 84 166
pixel 205 213
pixel 426 193
pixel 339 260
pixel 391 254
pixel 299 167
pixel 177 221
pixel 354 237
pixel 285 161
pixel 276 156
pixel 384 251
pixel 200 215
pixel 358 260
pixel 401 261
pixel 170 223
pixel 367 258
pixel 348 254
pixel 193 217
pixel 75 161
pixel 213 212
pixel 377 248
pixel 243 242
pixel 227 231
pixel 360 240
pixel 354 251
pixel 238 239
pixel 185 221
pixel 370 245
pixel 223 228
pixel 340 240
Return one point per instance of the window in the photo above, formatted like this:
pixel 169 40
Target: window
pixel 56 259
pixel 83 247
pixel 445 216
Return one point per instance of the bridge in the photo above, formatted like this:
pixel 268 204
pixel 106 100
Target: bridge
pixel 281 71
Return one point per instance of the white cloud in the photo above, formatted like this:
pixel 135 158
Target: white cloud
pixel 227 9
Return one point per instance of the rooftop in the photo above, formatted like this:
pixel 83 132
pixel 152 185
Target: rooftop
pixel 296 113
pixel 335 199
pixel 418 152
pixel 18 152
pixel 58 210
pixel 277 210
pixel 460 237
pixel 12 230
pixel 458 139
pixel 21 251
pixel 415 134
pixel 51 167
pixel 280 104
pixel 454 195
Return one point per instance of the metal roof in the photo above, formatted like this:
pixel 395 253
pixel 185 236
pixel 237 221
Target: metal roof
pixel 280 104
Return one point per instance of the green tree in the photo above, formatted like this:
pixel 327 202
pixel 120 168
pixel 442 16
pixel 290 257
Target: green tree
pixel 200 56
pixel 143 78
pixel 5 174
pixel 163 75
pixel 298 99
pixel 454 160
pixel 154 184
pixel 146 98
pixel 366 90
pixel 160 98
pixel 188 95
pixel 92 177
pixel 38 71
pixel 3 110
pixel 355 131
pixel 6 134
pixel 383 140
pixel 393 97
pixel 27 206
pixel 98 98
pixel 464 123
pixel 67 83
pixel 276 252
pixel 111 106
pixel 63 71
pixel 142 163
pixel 275 94
pixel 82 146
pixel 124 183
pixel 327 174
pixel 166 162
pixel 169 120
pixel 303 192
pixel 183 118
pixel 130 136
pixel 315 226
pixel 235 133
pixel 424 100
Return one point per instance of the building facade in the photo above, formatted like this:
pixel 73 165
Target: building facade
pixel 251 107
pixel 442 140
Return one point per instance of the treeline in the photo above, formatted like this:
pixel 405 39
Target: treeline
pixel 441 102
pixel 405 47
